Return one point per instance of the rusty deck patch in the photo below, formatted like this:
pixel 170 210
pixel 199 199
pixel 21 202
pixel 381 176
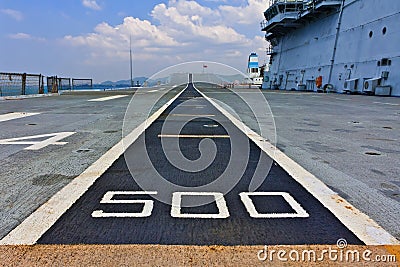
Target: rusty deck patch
pixel 157 255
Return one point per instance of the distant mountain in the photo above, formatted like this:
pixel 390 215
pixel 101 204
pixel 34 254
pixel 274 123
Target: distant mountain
pixel 108 83
pixel 177 78
pixel 119 83
pixel 232 78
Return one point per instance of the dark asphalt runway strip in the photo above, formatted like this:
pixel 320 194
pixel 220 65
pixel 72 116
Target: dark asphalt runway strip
pixel 301 218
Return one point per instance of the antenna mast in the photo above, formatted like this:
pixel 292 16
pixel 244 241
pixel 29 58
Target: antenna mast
pixel 130 55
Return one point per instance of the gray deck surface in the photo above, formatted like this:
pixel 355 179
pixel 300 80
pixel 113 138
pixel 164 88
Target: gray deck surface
pixel 329 135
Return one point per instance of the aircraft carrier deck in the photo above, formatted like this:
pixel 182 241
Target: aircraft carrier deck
pixel 334 177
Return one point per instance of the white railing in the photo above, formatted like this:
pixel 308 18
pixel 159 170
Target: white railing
pixel 299 1
pixel 289 1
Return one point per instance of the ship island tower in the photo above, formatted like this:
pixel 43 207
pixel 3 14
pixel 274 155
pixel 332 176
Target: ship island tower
pixel 345 46
pixel 254 70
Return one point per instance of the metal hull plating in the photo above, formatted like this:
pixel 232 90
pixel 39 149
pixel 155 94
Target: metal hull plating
pixel 354 47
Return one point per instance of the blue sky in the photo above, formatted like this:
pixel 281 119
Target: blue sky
pixel 90 38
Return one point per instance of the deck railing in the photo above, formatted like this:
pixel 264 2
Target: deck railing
pixel 283 9
pixel 14 84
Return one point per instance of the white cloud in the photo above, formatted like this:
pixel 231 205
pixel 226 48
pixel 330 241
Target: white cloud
pixel 179 31
pixel 121 14
pixel 252 13
pixel 92 4
pixel 188 21
pixel 20 35
pixel 105 36
pixel 15 14
pixel 24 36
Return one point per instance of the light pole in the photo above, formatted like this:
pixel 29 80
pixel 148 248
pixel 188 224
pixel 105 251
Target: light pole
pixel 130 55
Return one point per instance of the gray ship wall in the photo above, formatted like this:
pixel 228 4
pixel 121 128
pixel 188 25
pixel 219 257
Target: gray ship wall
pixel 311 47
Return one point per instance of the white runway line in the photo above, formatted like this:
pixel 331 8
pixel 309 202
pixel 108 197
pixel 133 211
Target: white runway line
pixel 15 115
pixel 389 104
pixel 53 139
pixel 107 98
pixel 33 227
pixel 193 106
pixel 192 115
pixel 366 229
pixel 191 136
pixel 21 97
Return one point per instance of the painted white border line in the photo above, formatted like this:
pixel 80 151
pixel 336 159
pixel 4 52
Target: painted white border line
pixel 15 115
pixel 191 115
pixel 20 97
pixel 191 136
pixel 366 229
pixel 107 98
pixel 389 104
pixel 33 227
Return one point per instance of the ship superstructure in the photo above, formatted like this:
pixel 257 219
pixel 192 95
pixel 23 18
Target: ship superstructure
pixel 336 45
pixel 254 70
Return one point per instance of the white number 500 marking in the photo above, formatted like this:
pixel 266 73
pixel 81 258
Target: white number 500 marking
pixel 107 199
pixel 223 211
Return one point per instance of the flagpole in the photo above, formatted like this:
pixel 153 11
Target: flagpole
pixel 204 67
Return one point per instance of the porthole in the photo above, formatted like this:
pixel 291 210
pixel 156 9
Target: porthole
pixel 371 33
pixel 384 30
